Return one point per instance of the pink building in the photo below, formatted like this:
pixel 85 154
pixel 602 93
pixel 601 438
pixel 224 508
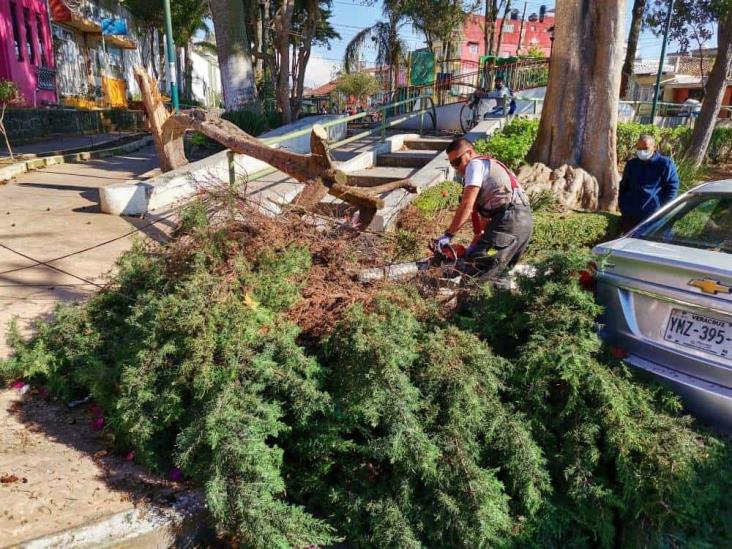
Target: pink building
pixel 26 50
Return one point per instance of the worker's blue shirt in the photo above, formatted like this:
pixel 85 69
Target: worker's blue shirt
pixel 646 186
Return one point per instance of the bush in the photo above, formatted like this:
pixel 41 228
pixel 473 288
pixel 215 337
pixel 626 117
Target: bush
pixel 445 195
pixel 253 121
pixel 512 143
pixel 564 231
pixel 509 425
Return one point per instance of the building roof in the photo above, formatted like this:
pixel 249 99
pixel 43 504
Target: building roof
pixel 650 66
pixel 325 89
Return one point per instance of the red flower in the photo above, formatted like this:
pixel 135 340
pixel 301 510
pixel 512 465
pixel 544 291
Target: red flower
pixel 130 456
pixel 175 474
pixel 98 423
pixel 18 384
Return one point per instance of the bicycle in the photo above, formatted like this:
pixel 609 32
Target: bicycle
pixel 470 111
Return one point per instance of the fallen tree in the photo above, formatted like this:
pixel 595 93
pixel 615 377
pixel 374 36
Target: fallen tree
pixel 317 170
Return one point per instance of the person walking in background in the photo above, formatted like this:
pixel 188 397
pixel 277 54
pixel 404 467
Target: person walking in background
pixel 650 181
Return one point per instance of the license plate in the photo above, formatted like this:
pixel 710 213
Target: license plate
pixel 700 332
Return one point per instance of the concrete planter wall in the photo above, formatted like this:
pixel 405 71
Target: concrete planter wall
pixel 25 125
pixel 137 197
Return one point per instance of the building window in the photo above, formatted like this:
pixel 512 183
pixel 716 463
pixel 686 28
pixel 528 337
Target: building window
pixel 29 36
pixel 473 48
pixel 507 28
pixel 40 36
pixel 16 31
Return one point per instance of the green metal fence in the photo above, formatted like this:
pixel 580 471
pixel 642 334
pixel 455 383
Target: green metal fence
pixel 420 106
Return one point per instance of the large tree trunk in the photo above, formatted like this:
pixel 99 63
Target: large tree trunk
pixel 489 26
pixel 188 71
pixel 639 7
pixel 714 93
pixel 282 26
pixel 235 58
pixel 579 118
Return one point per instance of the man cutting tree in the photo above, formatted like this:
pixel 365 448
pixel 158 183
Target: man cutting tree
pixel 502 220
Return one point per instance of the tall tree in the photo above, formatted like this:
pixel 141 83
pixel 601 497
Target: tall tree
pixel 492 8
pixel 391 50
pixel 692 22
pixel 715 89
pixel 579 118
pixel 311 27
pixel 636 25
pixel 439 20
pixel 234 52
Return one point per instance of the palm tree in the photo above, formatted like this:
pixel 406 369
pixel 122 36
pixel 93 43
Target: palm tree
pixel 384 36
pixel 235 56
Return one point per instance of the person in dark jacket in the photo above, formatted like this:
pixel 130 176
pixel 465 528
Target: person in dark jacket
pixel 649 182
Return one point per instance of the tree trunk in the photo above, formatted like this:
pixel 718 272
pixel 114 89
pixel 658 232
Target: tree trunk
pixel 169 147
pixel 714 93
pixel 506 12
pixel 579 118
pixel 639 7
pixel 489 26
pixel 235 58
pixel 282 26
pixel 188 71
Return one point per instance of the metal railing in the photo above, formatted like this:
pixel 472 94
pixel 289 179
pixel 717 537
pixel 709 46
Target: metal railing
pixel 420 106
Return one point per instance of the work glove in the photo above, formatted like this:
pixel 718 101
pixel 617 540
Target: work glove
pixel 443 241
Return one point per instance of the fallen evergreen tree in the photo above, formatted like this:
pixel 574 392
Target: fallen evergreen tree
pixel 386 422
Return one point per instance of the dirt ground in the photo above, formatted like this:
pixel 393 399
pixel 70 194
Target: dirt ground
pixel 56 472
pixel 714 173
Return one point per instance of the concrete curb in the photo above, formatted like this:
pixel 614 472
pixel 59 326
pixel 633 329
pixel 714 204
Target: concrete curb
pixel 14 170
pixel 183 524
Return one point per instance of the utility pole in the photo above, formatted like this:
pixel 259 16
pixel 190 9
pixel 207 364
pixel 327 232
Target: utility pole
pixel 171 56
pixel 661 61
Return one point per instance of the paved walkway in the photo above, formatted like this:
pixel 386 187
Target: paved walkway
pixel 53 212
pixel 61 143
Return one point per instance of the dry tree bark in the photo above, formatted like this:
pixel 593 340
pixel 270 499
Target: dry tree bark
pixel 317 169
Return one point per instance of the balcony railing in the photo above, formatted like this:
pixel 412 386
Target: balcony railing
pixel 46 79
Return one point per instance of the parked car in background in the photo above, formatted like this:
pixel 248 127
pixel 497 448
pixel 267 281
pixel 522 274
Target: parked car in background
pixel 667 291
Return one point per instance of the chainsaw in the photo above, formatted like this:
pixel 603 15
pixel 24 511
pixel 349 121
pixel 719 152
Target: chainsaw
pixel 445 257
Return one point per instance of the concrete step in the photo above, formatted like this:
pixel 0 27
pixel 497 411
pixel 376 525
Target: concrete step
pixel 405 159
pixel 427 144
pixel 378 175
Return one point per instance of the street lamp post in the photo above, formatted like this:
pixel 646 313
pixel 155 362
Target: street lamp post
pixel 171 56
pixel 661 61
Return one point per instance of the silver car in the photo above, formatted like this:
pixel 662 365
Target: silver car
pixel 667 291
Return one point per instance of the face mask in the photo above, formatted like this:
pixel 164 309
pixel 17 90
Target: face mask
pixel 644 154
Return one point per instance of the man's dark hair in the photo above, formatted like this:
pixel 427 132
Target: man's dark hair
pixel 457 144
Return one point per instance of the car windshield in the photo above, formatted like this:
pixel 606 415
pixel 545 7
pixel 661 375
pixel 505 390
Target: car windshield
pixel 701 221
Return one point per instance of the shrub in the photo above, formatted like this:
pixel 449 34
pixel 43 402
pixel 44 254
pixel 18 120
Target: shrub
pixel 253 121
pixel 445 195
pixel 512 143
pixel 565 231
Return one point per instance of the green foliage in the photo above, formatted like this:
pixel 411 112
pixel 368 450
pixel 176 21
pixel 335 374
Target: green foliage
pixel 358 85
pixel 252 121
pixel 198 368
pixel 9 92
pixel 439 197
pixel 626 469
pixel 512 143
pixel 418 449
pixel 563 231
pixel 509 425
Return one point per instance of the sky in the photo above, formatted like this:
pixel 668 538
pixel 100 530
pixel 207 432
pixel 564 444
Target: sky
pixel 349 17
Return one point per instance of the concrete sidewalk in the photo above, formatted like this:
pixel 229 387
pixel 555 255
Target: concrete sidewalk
pixel 50 213
pixel 58 144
